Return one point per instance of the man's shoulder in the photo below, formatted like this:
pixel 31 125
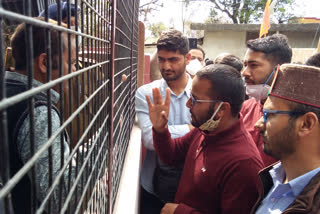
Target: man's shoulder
pixel 251 110
pixel 147 88
pixel 250 103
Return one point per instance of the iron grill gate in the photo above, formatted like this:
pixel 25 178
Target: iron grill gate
pixel 83 157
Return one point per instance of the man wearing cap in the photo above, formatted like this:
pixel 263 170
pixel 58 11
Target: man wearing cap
pixel 53 12
pixel 262 57
pixel 291 133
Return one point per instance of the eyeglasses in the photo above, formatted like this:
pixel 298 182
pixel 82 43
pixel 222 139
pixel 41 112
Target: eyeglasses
pixel 266 113
pixel 194 101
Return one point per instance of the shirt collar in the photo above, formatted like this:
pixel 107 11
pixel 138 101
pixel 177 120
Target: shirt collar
pixel 187 89
pixel 35 83
pixel 278 175
pixel 300 182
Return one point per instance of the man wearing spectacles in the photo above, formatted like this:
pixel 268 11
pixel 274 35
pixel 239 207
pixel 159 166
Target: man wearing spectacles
pixel 221 161
pixel 290 131
pixel 260 61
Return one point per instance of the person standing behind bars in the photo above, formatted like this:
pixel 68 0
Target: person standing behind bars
pixel 158 181
pixel 53 12
pixel 19 118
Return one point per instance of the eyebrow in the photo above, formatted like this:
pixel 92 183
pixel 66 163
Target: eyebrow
pixel 252 61
pixel 170 58
pixel 194 96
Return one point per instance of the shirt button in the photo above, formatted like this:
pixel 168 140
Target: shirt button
pixel 203 169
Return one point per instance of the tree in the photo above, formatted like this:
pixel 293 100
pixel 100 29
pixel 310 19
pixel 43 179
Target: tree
pixel 156 29
pixel 249 11
pixel 147 7
pixel 215 18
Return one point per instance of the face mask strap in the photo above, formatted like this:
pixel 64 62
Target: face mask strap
pixel 214 114
pixel 270 76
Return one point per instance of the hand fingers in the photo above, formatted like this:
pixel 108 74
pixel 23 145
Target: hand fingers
pixel 168 95
pixel 148 101
pixel 157 98
pixel 164 116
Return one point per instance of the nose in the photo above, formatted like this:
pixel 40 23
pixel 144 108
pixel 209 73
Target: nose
pixel 73 68
pixel 188 103
pixel 260 124
pixel 166 65
pixel 245 72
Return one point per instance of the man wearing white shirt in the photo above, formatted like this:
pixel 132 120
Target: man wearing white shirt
pixel 290 130
pixel 158 181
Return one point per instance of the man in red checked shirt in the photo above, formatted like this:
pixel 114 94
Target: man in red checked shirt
pixel 221 161
pixel 260 61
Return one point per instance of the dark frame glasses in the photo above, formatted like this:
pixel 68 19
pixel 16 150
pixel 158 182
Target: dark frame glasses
pixel 267 112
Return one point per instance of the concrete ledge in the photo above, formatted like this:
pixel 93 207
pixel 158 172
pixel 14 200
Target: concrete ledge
pixel 255 27
pixel 127 201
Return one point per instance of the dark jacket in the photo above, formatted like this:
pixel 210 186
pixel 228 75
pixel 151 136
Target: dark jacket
pixel 308 201
pixel 17 113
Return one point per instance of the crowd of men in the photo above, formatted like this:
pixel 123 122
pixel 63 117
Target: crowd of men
pixel 232 136
pixel 226 136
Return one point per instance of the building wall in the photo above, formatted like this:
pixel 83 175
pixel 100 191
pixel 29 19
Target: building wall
pixel 308 20
pixel 232 42
pixel 302 39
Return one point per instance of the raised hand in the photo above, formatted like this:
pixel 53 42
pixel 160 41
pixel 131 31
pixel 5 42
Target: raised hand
pixel 159 111
pixel 169 208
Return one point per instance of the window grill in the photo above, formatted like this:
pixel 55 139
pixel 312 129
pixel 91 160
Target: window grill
pixel 69 154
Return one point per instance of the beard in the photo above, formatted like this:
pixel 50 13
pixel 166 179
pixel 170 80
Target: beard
pixel 197 122
pixel 282 144
pixel 173 75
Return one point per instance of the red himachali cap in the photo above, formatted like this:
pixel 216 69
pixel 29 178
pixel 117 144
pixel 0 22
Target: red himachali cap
pixel 297 83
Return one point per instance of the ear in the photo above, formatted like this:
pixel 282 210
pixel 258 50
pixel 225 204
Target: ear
pixel 307 124
pixel 224 109
pixel 41 63
pixel 188 58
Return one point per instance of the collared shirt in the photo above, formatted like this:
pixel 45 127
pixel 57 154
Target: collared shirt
pixel 179 118
pixel 282 195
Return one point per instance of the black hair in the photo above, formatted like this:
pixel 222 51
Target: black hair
pixel 18 44
pixel 275 48
pixel 173 40
pixel 314 60
pixel 226 84
pixel 303 109
pixel 200 49
pixel 229 59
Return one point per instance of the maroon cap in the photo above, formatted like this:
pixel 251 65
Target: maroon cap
pixel 297 83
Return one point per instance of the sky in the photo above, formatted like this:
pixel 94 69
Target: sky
pixel 173 10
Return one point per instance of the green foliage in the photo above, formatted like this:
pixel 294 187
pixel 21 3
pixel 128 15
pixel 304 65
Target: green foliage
pixel 248 11
pixel 156 29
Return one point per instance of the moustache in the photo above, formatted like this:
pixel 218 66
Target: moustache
pixel 248 80
pixel 164 70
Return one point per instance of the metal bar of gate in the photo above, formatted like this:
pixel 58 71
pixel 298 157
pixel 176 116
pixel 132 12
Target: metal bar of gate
pixel 100 104
pixel 113 35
